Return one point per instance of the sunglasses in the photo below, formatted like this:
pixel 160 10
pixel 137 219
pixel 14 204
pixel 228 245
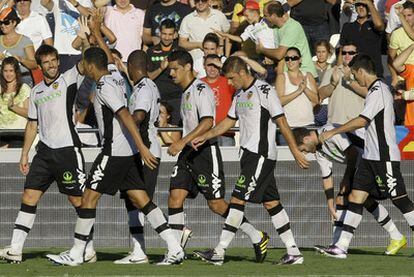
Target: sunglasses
pixel 292 58
pixel 5 22
pixel 198 1
pixel 351 53
pixel 216 7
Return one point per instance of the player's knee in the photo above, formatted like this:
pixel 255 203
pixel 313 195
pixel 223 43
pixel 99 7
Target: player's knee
pixel 31 197
pixel 90 199
pixel 76 201
pixel 357 196
pixel 404 204
pixel 218 206
pixel 176 199
pixel 139 198
pixel 371 205
pixel 237 201
pixel 271 204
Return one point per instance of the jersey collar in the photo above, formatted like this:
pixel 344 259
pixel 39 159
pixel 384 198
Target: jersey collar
pixel 254 81
pixel 373 83
pixel 54 80
pixel 139 81
pixel 189 85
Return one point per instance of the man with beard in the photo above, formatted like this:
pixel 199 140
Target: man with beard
pixel 159 72
pixel 59 158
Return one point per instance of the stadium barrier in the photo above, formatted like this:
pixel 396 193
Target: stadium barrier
pixel 300 190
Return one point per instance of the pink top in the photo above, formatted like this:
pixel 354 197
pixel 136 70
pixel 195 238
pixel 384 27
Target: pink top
pixel 127 27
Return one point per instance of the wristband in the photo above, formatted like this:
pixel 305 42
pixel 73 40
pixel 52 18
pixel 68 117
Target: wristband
pixel 329 193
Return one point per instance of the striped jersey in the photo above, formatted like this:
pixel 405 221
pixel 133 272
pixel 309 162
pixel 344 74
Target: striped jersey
pixel 52 106
pixel 380 138
pixel 256 107
pixel 110 97
pixel 333 149
pixel 146 98
pixel 197 102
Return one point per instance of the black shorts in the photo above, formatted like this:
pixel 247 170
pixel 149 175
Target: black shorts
pixel 149 176
pixel 256 182
pixel 64 165
pixel 381 179
pixel 110 174
pixel 200 171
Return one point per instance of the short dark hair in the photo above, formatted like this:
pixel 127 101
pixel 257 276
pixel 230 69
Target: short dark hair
pixel 182 57
pixel 138 60
pixel 294 49
pixel 97 57
pixel 168 24
pixel 364 62
pixel 300 133
pixel 275 8
pixel 408 5
pixel 211 56
pixel 212 37
pixel 234 64
pixel 45 50
pixel 350 43
pixel 116 52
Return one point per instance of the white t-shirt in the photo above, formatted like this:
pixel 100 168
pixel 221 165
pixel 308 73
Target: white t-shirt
pixel 260 32
pixel 36 28
pixel 66 16
pixel 393 19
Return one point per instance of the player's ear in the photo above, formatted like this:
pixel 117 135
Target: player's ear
pixel 187 67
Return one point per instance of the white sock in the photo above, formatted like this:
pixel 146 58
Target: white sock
pixel 352 219
pixel 176 221
pixel 383 218
pixel 249 230
pixel 337 228
pixel 280 220
pixel 231 225
pixel 82 230
pixel 409 217
pixel 23 224
pixel 136 228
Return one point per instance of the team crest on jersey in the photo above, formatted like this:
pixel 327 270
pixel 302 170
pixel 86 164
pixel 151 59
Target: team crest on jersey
pixel 55 85
pixel 249 94
pixel 187 96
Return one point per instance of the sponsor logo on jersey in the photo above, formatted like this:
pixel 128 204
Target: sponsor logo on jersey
pixel 68 178
pixel 240 181
pixel 380 183
pixel 48 98
pixel 245 105
pixel 187 106
pixel 201 180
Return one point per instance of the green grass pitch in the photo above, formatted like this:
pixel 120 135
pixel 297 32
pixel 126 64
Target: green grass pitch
pixel 239 262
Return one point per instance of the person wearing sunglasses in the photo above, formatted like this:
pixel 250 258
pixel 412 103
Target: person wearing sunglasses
pixel 16 45
pixel 297 91
pixel 216 5
pixel 366 31
pixel 345 95
pixel 198 24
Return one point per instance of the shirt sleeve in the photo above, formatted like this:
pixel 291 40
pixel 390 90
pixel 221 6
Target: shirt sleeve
pixel 270 101
pixel 247 33
pixel 325 165
pixel 206 101
pixel 224 23
pixel 32 112
pixel 45 29
pixel 143 99
pixel 73 76
pixel 232 111
pixel 393 21
pixel 184 28
pixel 373 104
pixel 111 96
pixel 394 40
pixel 341 141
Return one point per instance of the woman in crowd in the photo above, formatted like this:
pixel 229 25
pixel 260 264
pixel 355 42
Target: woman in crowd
pixel 297 91
pixel 16 45
pixel 14 102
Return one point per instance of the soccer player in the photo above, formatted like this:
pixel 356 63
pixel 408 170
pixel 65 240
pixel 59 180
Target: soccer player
pixel 378 174
pixel 258 110
pixel 202 170
pixel 144 107
pixel 59 157
pixel 346 149
pixel 118 166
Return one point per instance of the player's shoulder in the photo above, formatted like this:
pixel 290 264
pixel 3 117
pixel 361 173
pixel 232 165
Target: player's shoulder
pixel 262 87
pixel 200 87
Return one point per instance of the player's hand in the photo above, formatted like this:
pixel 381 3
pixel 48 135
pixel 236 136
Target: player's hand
pixel 148 158
pixel 164 64
pixel 325 136
pixel 24 164
pixel 198 141
pixel 175 148
pixel 332 210
pixel 300 159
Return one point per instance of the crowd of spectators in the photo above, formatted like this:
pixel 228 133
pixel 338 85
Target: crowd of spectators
pixel 302 47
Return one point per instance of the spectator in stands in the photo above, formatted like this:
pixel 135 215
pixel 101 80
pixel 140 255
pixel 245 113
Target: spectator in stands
pixel 198 24
pixel 407 72
pixel 66 13
pixel 33 25
pixel 211 45
pixel 157 13
pixel 366 32
pixel 14 102
pixel 297 91
pixel 216 5
pixel 223 93
pixel 159 71
pixel 16 45
pixel 394 22
pixel 313 16
pixel 290 34
pixel 323 52
pixel 400 40
pixel 164 120
pixel 127 23
pixel 346 97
